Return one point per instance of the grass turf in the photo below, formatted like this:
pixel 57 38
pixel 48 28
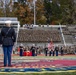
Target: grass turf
pixel 46 73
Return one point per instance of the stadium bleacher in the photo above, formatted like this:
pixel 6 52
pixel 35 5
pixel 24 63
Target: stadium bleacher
pixel 32 35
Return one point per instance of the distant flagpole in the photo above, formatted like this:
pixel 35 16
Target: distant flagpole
pixel 10 5
pixel 34 11
pixel 5 8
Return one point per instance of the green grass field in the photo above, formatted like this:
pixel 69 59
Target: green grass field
pixel 46 73
pixel 42 57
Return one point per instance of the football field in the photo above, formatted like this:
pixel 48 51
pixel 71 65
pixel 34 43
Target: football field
pixel 40 65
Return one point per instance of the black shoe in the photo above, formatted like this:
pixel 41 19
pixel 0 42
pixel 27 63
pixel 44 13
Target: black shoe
pixel 10 66
pixel 5 65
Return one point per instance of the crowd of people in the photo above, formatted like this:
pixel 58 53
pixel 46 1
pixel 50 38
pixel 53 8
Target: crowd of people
pixel 38 35
pixel 39 50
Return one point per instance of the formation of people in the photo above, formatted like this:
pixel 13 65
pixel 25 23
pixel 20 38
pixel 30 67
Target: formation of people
pixel 54 51
pixel 34 51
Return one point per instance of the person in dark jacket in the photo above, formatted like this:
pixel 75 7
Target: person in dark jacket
pixel 56 50
pixel 21 49
pixel 33 49
pixel 8 37
pixel 62 50
pixel 46 51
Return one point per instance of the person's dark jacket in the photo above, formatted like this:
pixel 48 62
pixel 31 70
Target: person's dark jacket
pixel 45 49
pixel 33 49
pixel 56 48
pixel 9 38
pixel 0 39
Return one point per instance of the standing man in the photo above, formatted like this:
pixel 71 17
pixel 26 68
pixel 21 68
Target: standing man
pixel 46 51
pixel 51 48
pixel 56 50
pixel 21 49
pixel 62 49
pixel 8 39
pixel 33 49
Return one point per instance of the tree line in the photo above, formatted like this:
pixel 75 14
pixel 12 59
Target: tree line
pixel 47 11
